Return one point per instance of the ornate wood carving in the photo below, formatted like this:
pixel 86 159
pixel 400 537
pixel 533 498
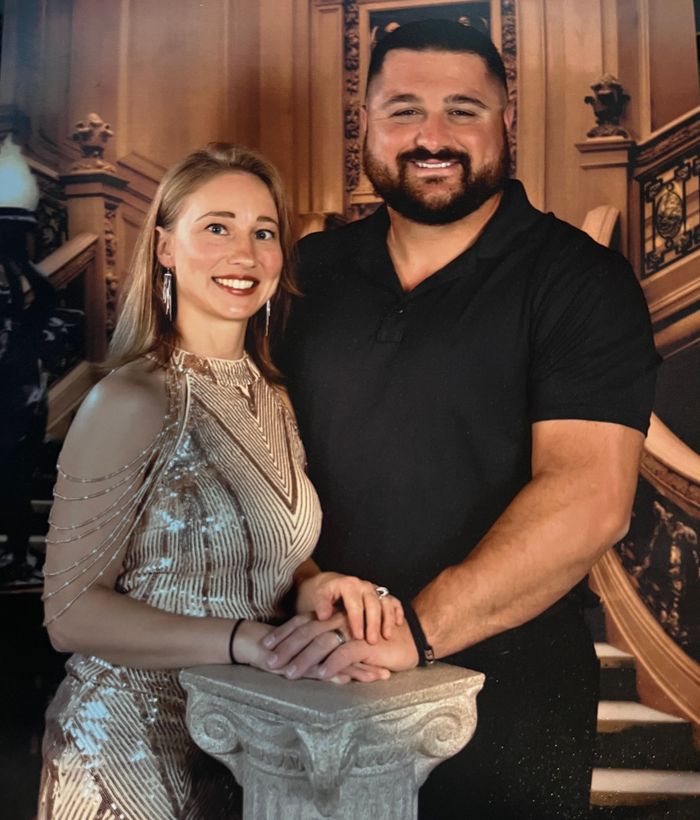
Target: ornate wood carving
pixel 352 95
pixel 509 52
pixel 668 141
pixel 677 488
pixel 608 103
pixel 51 217
pixel 660 555
pixel 92 135
pixel 667 678
pixel 111 276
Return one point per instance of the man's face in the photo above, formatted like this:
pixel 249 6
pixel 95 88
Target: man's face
pixel 435 142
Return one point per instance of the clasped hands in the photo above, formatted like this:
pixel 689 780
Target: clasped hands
pixel 366 640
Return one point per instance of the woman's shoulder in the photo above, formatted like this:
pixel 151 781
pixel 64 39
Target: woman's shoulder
pixel 120 417
pixel 134 388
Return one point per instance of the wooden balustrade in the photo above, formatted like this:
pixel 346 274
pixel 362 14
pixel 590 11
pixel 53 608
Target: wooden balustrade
pixel 72 269
pixel 667 677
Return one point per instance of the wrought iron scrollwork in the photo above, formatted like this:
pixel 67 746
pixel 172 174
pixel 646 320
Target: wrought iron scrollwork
pixel 670 226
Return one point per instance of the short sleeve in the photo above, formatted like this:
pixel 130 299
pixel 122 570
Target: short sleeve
pixel 594 355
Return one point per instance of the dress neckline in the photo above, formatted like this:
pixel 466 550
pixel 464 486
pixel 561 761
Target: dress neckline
pixel 226 372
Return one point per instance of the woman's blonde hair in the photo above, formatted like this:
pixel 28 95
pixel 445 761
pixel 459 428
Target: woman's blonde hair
pixel 143 327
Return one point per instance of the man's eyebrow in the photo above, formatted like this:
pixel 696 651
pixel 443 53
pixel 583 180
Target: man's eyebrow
pixel 400 98
pixel 462 99
pixel 452 99
pixel 232 215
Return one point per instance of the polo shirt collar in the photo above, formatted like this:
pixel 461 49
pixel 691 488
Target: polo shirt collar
pixel 514 216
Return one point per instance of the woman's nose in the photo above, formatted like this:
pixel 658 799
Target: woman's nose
pixel 241 253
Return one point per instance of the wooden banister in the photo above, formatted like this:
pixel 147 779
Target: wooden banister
pixel 667 677
pixel 73 259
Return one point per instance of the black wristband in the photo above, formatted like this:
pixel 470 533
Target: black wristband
pixel 426 656
pixel 231 638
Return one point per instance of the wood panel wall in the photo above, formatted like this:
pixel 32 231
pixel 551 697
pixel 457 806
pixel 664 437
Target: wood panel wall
pixel 169 76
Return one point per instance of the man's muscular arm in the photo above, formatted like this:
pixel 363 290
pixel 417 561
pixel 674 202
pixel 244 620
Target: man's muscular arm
pixel 577 505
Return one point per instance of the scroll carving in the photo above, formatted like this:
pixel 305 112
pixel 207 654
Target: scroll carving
pixel 92 135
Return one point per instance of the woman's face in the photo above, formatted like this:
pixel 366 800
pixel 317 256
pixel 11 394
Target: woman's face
pixel 224 250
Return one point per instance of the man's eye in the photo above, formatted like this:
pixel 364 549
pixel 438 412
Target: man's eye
pixel 265 233
pixel 216 228
pixel 460 113
pixel 405 112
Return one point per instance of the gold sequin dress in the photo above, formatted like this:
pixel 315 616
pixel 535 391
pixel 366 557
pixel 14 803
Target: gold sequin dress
pixel 223 517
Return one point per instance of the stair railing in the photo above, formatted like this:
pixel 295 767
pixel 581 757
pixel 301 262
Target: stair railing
pixel 73 271
pixel 664 247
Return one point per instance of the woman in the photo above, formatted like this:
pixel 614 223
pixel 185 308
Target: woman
pixel 182 513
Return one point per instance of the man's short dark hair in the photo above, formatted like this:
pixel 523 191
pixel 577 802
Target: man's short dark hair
pixel 439 35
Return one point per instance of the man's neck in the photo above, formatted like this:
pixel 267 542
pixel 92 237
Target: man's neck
pixel 418 251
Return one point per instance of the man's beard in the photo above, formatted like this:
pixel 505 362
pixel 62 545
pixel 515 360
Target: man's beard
pixel 413 200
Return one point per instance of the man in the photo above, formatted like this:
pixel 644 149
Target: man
pixel 473 381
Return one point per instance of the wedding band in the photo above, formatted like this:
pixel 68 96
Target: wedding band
pixel 382 592
pixel 339 634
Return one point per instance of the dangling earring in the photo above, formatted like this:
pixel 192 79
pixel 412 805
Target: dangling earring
pixel 167 292
pixel 267 317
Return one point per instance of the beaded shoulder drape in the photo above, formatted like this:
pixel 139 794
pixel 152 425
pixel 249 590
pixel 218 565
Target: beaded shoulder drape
pixel 216 514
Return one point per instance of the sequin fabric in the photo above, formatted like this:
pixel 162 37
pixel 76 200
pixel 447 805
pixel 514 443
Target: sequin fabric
pixel 225 515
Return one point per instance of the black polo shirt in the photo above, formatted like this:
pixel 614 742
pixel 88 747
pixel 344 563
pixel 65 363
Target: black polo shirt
pixel 416 408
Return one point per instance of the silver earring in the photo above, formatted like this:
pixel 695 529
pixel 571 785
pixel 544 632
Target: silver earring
pixel 268 310
pixel 167 292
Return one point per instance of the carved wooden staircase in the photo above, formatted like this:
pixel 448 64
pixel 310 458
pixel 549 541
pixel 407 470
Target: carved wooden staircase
pixel 646 766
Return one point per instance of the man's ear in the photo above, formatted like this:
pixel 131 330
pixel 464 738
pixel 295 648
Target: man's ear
pixel 508 114
pixel 363 120
pixel 164 248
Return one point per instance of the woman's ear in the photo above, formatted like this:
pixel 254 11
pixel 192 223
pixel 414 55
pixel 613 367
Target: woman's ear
pixel 164 248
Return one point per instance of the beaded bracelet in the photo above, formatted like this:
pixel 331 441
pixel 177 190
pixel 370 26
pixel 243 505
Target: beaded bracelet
pixel 231 639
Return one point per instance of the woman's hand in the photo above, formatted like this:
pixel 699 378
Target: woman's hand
pixel 298 647
pixel 369 615
pixel 249 648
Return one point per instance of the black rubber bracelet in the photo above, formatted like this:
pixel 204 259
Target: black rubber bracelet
pixel 426 656
pixel 230 640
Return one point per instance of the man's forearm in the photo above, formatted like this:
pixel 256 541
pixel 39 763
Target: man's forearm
pixel 541 546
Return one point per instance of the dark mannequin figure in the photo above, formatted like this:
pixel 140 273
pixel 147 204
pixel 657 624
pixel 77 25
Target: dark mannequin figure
pixel 23 395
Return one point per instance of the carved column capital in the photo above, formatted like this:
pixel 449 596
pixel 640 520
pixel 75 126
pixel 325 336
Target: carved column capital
pixel 332 751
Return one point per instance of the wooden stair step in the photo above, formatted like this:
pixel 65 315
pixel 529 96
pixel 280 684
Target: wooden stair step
pixel 638 787
pixel 612 657
pixel 618 715
pixel 656 746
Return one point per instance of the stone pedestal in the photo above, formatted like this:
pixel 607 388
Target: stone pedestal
pixel 309 750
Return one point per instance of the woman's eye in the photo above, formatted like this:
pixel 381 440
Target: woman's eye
pixel 264 233
pixel 217 229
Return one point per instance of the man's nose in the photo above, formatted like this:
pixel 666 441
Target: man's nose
pixel 433 133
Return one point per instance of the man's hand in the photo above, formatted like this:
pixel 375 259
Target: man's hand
pixel 305 647
pixel 368 615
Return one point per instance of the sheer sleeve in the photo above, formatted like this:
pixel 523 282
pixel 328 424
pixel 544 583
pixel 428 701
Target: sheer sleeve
pixel 97 506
